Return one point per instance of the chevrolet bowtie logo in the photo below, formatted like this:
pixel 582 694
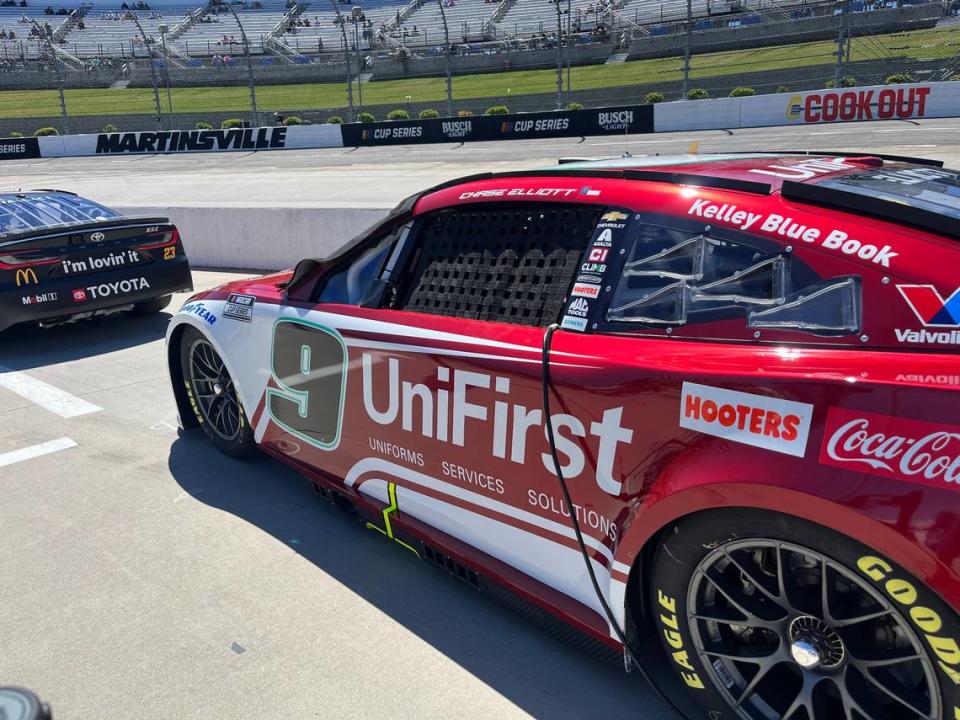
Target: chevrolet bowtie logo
pixel 614 216
pixel 27 276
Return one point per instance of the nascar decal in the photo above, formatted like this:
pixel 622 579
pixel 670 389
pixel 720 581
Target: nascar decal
pixel 758 420
pixel 786 227
pixel 848 105
pixel 239 307
pixel 903 449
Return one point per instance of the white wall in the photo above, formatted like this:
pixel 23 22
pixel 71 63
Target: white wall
pixel 261 238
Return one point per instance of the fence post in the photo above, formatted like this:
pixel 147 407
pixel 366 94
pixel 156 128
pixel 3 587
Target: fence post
pixel 446 53
pixel 841 39
pixel 556 5
pixel 57 73
pixel 346 55
pixel 153 70
pixel 686 48
pixel 246 52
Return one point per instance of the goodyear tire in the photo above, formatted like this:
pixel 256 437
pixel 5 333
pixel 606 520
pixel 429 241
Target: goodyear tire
pixel 213 397
pixel 150 307
pixel 753 630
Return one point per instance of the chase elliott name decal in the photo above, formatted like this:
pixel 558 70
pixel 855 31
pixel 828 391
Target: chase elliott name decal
pixel 192 140
pixel 758 420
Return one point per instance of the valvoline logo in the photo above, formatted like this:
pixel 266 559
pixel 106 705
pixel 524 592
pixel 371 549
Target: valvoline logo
pixel 929 306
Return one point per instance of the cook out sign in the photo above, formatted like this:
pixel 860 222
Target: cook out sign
pixel 911 450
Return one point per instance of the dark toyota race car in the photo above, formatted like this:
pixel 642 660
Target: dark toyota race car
pixel 64 258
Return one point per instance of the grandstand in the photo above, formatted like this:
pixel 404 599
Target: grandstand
pixel 187 35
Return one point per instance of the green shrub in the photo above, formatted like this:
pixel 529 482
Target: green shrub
pixel 465 113
pixel 15 134
pixel 398 114
pixel 698 94
pixel 108 128
pixel 429 114
pixel 335 120
pixel 846 82
pixel 896 78
pixel 574 106
pixel 498 110
pixel 366 117
pixel 293 120
pixel 44 131
pixel 742 92
pixel 203 126
pixel 782 89
pixel 653 97
pixel 231 123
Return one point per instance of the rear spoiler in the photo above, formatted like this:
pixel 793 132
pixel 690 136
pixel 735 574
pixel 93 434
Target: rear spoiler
pixel 871 206
pixel 54 230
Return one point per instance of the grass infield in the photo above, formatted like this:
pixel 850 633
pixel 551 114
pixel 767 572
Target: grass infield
pixel 918 45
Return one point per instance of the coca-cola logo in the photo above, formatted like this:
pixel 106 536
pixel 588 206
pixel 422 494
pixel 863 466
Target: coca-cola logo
pixel 912 450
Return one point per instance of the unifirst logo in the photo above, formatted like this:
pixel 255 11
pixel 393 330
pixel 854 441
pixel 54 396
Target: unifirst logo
pixel 445 413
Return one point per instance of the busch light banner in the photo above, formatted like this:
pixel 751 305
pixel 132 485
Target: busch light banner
pixel 562 123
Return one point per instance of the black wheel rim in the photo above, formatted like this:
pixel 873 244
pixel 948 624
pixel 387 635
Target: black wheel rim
pixel 214 391
pixel 787 633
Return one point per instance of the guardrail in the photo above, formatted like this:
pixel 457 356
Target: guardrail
pixel 881 102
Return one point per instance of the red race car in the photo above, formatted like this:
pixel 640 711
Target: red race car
pixel 713 398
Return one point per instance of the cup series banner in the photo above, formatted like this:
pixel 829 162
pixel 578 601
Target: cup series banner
pixel 19 148
pixel 629 119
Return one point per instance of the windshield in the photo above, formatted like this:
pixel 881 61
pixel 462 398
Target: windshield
pixel 38 211
pixel 926 188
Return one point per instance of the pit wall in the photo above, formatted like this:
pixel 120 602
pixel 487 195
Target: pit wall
pixel 880 102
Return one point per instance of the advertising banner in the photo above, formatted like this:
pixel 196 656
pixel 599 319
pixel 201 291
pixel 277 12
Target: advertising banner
pixel 877 102
pixel 181 141
pixel 629 119
pixel 19 148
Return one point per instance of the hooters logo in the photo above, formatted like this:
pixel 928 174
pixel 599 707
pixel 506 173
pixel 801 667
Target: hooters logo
pixel 912 450
pixel 758 420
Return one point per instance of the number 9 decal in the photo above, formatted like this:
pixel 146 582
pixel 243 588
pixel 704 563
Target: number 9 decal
pixel 309 364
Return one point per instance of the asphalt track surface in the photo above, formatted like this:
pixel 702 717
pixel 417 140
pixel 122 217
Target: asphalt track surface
pixel 382 176
pixel 143 575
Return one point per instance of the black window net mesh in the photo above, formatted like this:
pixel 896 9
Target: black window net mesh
pixel 507 263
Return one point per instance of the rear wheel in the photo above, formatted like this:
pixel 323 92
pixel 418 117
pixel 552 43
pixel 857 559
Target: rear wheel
pixel 149 307
pixel 213 395
pixel 768 617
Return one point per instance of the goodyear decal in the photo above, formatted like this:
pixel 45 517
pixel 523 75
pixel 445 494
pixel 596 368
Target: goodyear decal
pixel 671 631
pixel 926 621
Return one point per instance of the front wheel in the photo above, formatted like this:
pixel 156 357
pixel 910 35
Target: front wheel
pixel 767 617
pixel 213 396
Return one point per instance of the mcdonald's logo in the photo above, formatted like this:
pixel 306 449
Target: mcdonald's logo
pixel 27 276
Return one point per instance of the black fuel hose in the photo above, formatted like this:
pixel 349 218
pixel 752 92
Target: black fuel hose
pixel 545 383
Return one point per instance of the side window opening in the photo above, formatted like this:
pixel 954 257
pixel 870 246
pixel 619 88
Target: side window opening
pixel 348 284
pixel 503 262
pixel 673 278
